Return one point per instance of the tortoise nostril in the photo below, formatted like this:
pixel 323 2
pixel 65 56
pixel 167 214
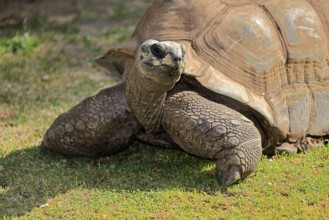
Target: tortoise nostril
pixel 177 59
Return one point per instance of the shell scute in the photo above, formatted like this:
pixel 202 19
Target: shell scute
pixel 304 38
pixel 175 20
pixel 245 47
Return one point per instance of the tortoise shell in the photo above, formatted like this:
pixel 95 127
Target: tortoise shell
pixel 271 55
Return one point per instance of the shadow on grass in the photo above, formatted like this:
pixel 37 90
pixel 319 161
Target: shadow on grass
pixel 29 178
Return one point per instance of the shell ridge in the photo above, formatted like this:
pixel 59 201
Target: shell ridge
pixel 277 27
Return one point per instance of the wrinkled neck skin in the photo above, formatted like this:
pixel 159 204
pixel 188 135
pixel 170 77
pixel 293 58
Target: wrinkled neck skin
pixel 146 96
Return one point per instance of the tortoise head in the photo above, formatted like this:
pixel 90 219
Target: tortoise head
pixel 161 62
pixel 158 67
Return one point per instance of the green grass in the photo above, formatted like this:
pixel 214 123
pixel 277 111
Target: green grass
pixel 48 72
pixel 18 44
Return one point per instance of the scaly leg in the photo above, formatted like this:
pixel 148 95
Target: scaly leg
pixel 214 131
pixel 98 126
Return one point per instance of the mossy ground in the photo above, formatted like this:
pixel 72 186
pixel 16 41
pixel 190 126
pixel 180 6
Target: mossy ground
pixel 46 53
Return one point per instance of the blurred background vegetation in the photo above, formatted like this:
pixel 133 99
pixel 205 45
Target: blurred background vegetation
pixel 40 41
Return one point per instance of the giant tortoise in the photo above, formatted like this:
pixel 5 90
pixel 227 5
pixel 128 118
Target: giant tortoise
pixel 220 79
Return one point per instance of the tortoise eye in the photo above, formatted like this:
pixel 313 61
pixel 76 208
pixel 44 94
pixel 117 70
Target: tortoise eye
pixel 158 51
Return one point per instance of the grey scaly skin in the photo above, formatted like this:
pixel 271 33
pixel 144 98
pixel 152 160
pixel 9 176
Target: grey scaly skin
pixel 211 130
pixel 158 107
pixel 98 126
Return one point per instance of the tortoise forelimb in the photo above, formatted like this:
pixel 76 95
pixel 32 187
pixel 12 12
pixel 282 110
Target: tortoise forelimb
pixel 211 130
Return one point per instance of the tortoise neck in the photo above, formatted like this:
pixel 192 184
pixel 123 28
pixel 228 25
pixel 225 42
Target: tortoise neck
pixel 146 99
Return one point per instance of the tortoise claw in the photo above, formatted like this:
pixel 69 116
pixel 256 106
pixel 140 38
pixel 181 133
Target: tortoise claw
pixel 230 177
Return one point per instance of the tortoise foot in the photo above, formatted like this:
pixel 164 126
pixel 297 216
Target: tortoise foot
pixel 228 177
pixel 286 148
pixel 303 144
pixel 237 163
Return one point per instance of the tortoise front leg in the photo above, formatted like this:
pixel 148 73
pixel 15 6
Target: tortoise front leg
pixel 98 126
pixel 214 131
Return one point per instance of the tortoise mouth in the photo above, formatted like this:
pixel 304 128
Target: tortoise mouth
pixel 162 67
